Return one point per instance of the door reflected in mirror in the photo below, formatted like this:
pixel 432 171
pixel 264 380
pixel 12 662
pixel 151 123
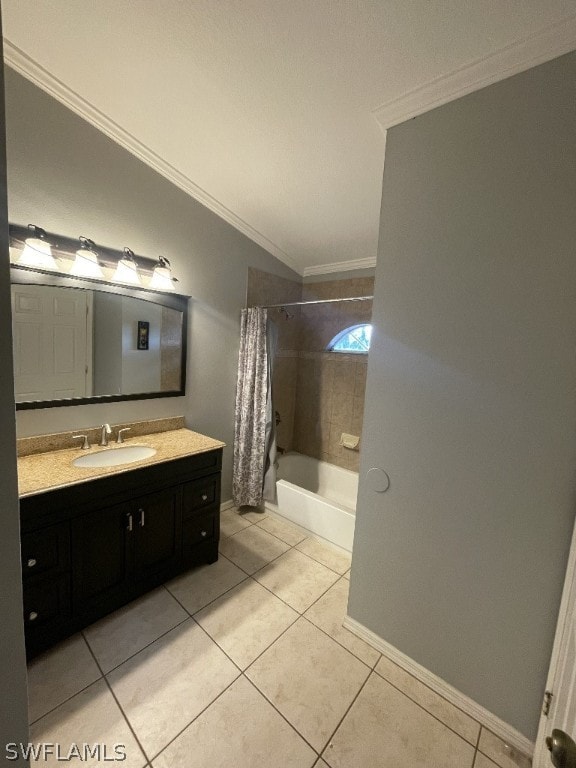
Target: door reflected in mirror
pixel 75 344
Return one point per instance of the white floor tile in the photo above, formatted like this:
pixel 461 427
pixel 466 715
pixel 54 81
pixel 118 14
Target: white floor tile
pixel 92 717
pixel 231 521
pixel 384 728
pixel 245 621
pixel 502 754
pixel 483 762
pixel 252 548
pixel 58 674
pixel 123 633
pixel 166 685
pixel 296 579
pixel 239 730
pixel 328 613
pixel 289 533
pixel 252 515
pixel 201 586
pixel 450 715
pixel 331 556
pixel 310 679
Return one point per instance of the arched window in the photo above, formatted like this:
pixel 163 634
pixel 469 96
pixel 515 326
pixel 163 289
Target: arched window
pixel 356 338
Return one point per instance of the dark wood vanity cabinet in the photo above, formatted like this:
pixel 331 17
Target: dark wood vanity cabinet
pixel 90 548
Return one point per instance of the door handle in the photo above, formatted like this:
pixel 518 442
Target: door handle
pixel 142 517
pixel 129 526
pixel 562 749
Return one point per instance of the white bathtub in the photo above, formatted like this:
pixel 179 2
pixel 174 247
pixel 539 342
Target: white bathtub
pixel 317 496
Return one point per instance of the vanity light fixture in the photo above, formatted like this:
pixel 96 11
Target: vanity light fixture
pixel 31 248
pixel 162 279
pixel 86 261
pixel 127 269
pixel 37 251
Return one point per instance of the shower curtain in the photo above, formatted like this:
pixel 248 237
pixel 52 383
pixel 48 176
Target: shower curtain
pixel 254 427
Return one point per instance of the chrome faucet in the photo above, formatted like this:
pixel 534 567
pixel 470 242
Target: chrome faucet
pixel 106 430
pixel 120 438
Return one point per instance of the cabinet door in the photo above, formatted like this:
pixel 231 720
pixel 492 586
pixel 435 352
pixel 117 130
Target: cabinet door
pixel 46 603
pixel 157 539
pixel 100 557
pixel 46 552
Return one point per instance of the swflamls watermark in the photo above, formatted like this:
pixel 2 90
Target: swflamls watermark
pixel 66 753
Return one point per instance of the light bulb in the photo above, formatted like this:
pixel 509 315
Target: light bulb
pixel 37 251
pixel 127 269
pixel 86 261
pixel 162 276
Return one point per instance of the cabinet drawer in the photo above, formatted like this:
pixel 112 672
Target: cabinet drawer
pixel 46 551
pixel 199 494
pixel 197 530
pixel 46 602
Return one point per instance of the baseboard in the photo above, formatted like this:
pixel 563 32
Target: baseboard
pixel 487 719
pixel 226 505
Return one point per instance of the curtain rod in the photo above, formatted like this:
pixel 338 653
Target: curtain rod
pixel 316 301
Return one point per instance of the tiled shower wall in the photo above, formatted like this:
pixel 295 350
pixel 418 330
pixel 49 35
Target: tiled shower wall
pixel 318 394
pixel 330 386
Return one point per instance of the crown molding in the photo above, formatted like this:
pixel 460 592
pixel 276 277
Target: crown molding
pixel 340 266
pixel 31 70
pixel 517 57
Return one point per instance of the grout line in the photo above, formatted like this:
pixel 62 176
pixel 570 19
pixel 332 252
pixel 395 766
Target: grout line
pixel 275 708
pixel 492 758
pixel 255 659
pixel 290 547
pixel 129 724
pixel 33 722
pixel 371 668
pixel 414 701
pixel 113 669
pixel 295 546
pixel 301 613
pixel 298 616
pixel 325 747
pixel 439 695
pixel 226 591
pixel 478 739
pixel 209 636
pixel 196 717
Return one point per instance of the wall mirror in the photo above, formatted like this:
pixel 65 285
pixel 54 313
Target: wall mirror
pixel 77 341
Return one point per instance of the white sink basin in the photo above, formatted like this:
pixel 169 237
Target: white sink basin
pixel 112 457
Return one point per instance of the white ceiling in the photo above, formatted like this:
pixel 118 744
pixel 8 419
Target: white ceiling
pixel 268 111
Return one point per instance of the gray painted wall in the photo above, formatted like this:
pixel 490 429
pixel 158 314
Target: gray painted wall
pixel 471 404
pixel 14 706
pixel 69 178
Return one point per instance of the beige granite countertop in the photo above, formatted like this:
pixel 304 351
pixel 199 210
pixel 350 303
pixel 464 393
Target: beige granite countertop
pixel 47 471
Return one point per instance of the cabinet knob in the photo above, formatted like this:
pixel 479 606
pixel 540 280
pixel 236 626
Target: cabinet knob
pixel 204 497
pixel 31 562
pixel 203 533
pixel 32 616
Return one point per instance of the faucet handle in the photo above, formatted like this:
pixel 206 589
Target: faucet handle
pixel 85 444
pixel 120 438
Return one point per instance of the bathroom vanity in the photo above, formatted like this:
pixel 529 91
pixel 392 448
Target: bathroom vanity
pixel 95 542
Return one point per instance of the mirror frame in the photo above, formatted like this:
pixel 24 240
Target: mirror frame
pixel 27 276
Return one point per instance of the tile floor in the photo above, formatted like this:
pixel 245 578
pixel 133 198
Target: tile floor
pixel 245 663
